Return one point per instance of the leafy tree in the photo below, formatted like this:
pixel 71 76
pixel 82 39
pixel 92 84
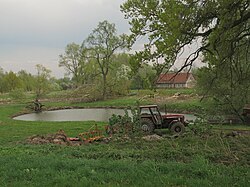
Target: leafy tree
pixel 171 25
pixel 2 74
pixel 27 80
pixel 144 77
pixel 42 85
pixel 120 74
pixel 91 71
pixel 220 27
pixel 65 83
pixel 11 81
pixel 73 62
pixel 228 84
pixel 100 46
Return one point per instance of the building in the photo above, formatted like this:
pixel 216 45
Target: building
pixel 173 80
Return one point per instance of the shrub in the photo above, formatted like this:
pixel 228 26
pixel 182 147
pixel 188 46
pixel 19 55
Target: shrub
pixel 124 124
pixel 17 94
pixel 200 126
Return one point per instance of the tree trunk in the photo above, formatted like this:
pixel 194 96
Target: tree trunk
pixel 104 91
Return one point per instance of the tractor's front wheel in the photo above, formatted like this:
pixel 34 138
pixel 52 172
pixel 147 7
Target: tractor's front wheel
pixel 147 125
pixel 177 128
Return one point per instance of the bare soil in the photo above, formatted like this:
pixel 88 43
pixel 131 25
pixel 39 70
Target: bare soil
pixel 58 138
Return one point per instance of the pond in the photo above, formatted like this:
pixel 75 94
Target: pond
pixel 100 114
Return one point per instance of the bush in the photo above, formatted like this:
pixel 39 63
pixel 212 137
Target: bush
pixel 200 126
pixel 124 124
pixel 17 94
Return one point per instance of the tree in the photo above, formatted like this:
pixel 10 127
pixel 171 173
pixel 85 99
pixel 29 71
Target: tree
pixel 171 25
pixel 11 81
pixel 42 85
pixel 144 77
pixel 120 75
pixel 27 80
pixel 73 62
pixel 100 46
pixel 2 86
pixel 220 27
pixel 91 71
pixel 228 84
pixel 65 83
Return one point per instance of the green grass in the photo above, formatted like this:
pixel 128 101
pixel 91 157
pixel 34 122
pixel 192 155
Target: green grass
pixel 187 102
pixel 165 92
pixel 119 102
pixel 173 91
pixel 59 167
pixel 184 161
pixel 183 106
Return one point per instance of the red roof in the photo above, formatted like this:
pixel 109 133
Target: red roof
pixel 173 78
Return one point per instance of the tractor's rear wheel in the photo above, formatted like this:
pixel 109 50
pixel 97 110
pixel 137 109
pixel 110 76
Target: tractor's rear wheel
pixel 177 128
pixel 147 125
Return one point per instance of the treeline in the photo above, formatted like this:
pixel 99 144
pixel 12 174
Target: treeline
pixel 40 83
pixel 120 79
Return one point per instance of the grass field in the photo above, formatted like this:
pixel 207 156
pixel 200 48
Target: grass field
pixel 190 160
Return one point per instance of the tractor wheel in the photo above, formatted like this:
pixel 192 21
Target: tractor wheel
pixel 147 125
pixel 177 128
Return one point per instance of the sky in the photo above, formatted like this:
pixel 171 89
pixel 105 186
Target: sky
pixel 37 31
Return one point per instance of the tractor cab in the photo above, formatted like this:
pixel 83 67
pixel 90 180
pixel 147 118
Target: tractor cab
pixel 151 112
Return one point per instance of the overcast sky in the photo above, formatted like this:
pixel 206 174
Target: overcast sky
pixel 37 31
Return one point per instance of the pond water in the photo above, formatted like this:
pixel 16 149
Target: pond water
pixel 101 114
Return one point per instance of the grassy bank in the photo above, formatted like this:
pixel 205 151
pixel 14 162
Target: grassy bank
pixel 185 161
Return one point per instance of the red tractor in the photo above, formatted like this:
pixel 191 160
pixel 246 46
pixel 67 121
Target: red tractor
pixel 151 119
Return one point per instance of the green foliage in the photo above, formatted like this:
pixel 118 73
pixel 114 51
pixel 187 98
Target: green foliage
pixel 118 80
pixel 200 126
pixel 73 62
pixel 121 120
pixel 125 124
pixel 144 78
pixel 42 82
pixel 11 81
pixel 100 46
pixel 226 88
pixel 171 25
pixel 17 94
pixel 28 81
pixel 221 26
pixel 65 83
pixel 42 85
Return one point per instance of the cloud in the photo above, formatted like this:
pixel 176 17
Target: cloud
pixel 37 31
pixel 55 22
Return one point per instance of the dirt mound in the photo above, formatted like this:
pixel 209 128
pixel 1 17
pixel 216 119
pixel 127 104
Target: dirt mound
pixel 238 133
pixel 59 138
pixel 153 137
